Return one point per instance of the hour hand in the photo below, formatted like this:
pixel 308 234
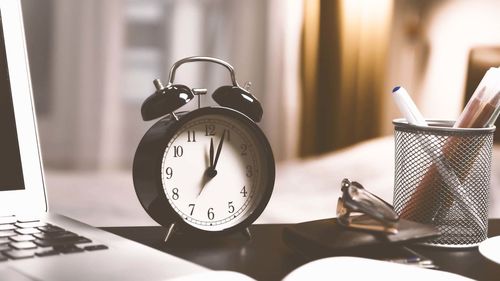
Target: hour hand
pixel 211 172
pixel 211 152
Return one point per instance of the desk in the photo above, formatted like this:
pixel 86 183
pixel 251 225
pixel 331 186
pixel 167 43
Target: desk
pixel 266 257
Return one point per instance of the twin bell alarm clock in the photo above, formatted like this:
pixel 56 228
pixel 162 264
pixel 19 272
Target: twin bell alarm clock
pixel 209 171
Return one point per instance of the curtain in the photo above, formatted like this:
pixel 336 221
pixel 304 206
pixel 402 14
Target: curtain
pixel 282 99
pixel 103 55
pixel 344 54
pixel 81 125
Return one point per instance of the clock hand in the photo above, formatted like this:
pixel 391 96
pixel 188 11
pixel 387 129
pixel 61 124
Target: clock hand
pixel 219 148
pixel 210 172
pixel 204 180
pixel 211 152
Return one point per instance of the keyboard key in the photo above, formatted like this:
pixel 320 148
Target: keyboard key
pixel 95 247
pixel 70 249
pixel 7 233
pixel 27 219
pixel 27 230
pixel 7 227
pixel 19 254
pixel 50 229
pixel 5 247
pixel 30 224
pixel 63 242
pixel 7 220
pixel 46 252
pixel 23 245
pixel 55 235
pixel 21 238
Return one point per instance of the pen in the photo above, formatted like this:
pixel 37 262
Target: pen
pixel 494 116
pixel 414 259
pixel 423 264
pixel 487 112
pixel 411 259
pixel 482 108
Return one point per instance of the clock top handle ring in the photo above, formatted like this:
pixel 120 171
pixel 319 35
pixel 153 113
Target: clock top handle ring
pixel 168 99
pixel 176 65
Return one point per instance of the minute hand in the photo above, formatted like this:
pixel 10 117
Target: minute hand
pixel 219 148
pixel 211 153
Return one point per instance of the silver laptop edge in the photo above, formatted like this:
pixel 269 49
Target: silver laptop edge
pixel 32 196
pixel 125 259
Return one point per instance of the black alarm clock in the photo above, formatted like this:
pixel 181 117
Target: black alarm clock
pixel 207 171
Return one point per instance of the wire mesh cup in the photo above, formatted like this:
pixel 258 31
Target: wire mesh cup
pixel 442 177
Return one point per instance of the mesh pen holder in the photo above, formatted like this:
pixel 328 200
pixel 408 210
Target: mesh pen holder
pixel 442 177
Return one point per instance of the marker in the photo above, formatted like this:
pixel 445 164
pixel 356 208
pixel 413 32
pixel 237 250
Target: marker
pixel 408 107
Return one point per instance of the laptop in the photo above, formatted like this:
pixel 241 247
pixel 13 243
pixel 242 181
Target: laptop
pixel 34 243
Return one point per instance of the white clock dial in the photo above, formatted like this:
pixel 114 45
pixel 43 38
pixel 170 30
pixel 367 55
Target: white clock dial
pixel 218 190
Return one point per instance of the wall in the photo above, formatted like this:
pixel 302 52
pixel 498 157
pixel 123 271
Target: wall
pixel 93 63
pixel 430 47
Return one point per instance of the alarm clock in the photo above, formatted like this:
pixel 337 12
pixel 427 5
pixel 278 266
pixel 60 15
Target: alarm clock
pixel 208 171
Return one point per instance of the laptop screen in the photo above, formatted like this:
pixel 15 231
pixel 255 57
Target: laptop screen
pixel 11 173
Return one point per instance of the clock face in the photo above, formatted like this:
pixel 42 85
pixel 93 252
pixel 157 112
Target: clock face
pixel 214 171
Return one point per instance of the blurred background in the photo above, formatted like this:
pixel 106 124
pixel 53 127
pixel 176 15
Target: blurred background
pixel 323 70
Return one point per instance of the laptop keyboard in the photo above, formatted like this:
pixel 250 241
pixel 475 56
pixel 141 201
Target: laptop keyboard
pixel 30 238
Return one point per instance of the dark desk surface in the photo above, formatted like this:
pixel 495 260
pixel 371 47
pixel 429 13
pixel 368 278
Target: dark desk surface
pixel 266 257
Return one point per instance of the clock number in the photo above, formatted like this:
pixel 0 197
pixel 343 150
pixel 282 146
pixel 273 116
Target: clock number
pixel 192 209
pixel 209 130
pixel 230 206
pixel 244 149
pixel 249 171
pixel 175 193
pixel 178 151
pixel 169 172
pixel 211 214
pixel 191 136
pixel 244 191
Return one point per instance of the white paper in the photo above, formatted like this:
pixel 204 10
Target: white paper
pixel 490 249
pixel 351 268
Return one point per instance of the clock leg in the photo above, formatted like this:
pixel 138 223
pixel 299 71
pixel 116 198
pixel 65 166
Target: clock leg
pixel 171 230
pixel 247 233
